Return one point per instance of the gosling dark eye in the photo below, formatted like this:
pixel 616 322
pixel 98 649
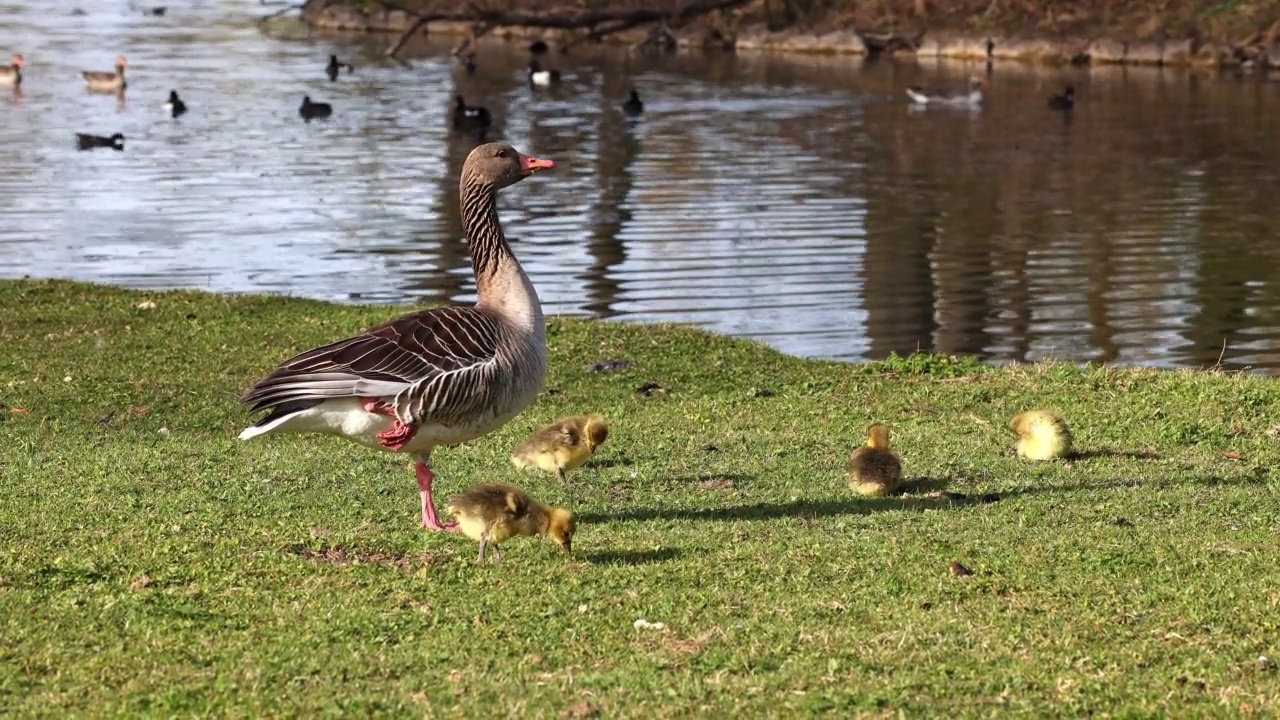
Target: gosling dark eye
pixel 502 153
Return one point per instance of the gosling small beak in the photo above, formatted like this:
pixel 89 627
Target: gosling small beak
pixel 567 545
pixel 530 165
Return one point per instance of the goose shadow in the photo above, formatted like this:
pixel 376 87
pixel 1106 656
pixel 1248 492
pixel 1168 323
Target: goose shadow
pixel 630 557
pixel 1097 453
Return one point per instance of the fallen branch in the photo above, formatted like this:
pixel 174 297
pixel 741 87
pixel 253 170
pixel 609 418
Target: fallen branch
pixel 268 18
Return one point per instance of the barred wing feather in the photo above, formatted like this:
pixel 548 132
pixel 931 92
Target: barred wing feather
pixel 438 365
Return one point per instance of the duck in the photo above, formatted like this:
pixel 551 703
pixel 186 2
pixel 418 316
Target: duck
pixel 99 81
pixel 972 97
pixel 334 66
pixel 85 141
pixel 1065 101
pixel 542 78
pixel 875 469
pixel 473 117
pixel 432 378
pixel 311 110
pixel 633 106
pixel 490 514
pixel 175 106
pixel 1042 435
pixel 562 446
pixel 11 76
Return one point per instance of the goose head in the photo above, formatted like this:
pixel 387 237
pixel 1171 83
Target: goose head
pixel 16 61
pixel 499 165
pixel 121 63
pixel 459 104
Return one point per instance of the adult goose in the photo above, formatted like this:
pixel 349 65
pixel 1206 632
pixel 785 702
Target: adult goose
pixel 972 97
pixel 99 81
pixel 11 76
pixel 437 377
pixel 542 78
pixel 1065 101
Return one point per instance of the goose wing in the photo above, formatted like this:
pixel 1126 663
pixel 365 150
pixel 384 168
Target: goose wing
pixel 438 365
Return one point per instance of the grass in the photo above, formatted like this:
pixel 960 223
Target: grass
pixel 151 564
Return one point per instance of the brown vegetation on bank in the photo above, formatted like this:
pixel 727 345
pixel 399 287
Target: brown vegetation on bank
pixel 1210 32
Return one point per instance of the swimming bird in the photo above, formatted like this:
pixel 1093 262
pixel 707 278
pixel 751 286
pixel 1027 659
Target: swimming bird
pixel 311 110
pixel 633 106
pixel 1065 101
pixel 436 377
pixel 11 75
pixel 175 106
pixel 334 66
pixel 1042 435
pixel 492 513
pixel 469 117
pixel 563 445
pixel 971 97
pixel 99 81
pixel 874 469
pixel 85 141
pixel 542 78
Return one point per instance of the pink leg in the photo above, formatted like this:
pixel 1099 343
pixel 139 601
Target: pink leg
pixel 429 519
pixel 399 435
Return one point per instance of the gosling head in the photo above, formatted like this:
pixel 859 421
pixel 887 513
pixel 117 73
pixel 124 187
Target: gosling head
pixel 560 528
pixel 597 431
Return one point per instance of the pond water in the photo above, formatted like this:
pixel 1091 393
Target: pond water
pixel 796 200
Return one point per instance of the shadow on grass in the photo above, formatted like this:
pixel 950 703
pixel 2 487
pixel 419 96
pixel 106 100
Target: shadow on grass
pixel 1113 453
pixel 808 509
pixel 630 557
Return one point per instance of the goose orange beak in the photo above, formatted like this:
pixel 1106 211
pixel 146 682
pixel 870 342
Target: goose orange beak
pixel 531 165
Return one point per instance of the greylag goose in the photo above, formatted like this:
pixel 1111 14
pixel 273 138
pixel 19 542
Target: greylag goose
pixel 542 78
pixel 334 66
pixel 85 141
pixel 99 81
pixel 470 117
pixel 633 107
pixel 972 97
pixel 1065 101
pixel 175 106
pixel 310 110
pixel 11 76
pixel 436 377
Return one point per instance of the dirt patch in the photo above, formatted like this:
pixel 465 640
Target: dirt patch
pixel 343 557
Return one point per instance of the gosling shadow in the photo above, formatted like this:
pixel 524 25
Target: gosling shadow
pixel 1098 453
pixel 805 509
pixel 608 462
pixel 630 557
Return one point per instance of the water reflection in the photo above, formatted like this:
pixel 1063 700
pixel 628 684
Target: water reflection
pixel 801 201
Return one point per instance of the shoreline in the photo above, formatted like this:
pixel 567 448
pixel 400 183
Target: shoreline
pixel 1114 47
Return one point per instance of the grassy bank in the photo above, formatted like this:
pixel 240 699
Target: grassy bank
pixel 152 564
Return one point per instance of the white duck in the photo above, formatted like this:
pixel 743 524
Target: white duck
pixel 970 98
pixel 437 377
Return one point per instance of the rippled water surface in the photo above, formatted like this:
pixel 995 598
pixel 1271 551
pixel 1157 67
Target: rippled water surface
pixel 795 200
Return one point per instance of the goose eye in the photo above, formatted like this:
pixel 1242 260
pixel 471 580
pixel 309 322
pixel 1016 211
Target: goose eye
pixel 502 153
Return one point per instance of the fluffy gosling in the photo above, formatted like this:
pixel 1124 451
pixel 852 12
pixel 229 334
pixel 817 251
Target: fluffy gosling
pixel 562 446
pixel 874 469
pixel 490 514
pixel 1042 435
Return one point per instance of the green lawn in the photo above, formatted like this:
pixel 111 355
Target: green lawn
pixel 153 564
